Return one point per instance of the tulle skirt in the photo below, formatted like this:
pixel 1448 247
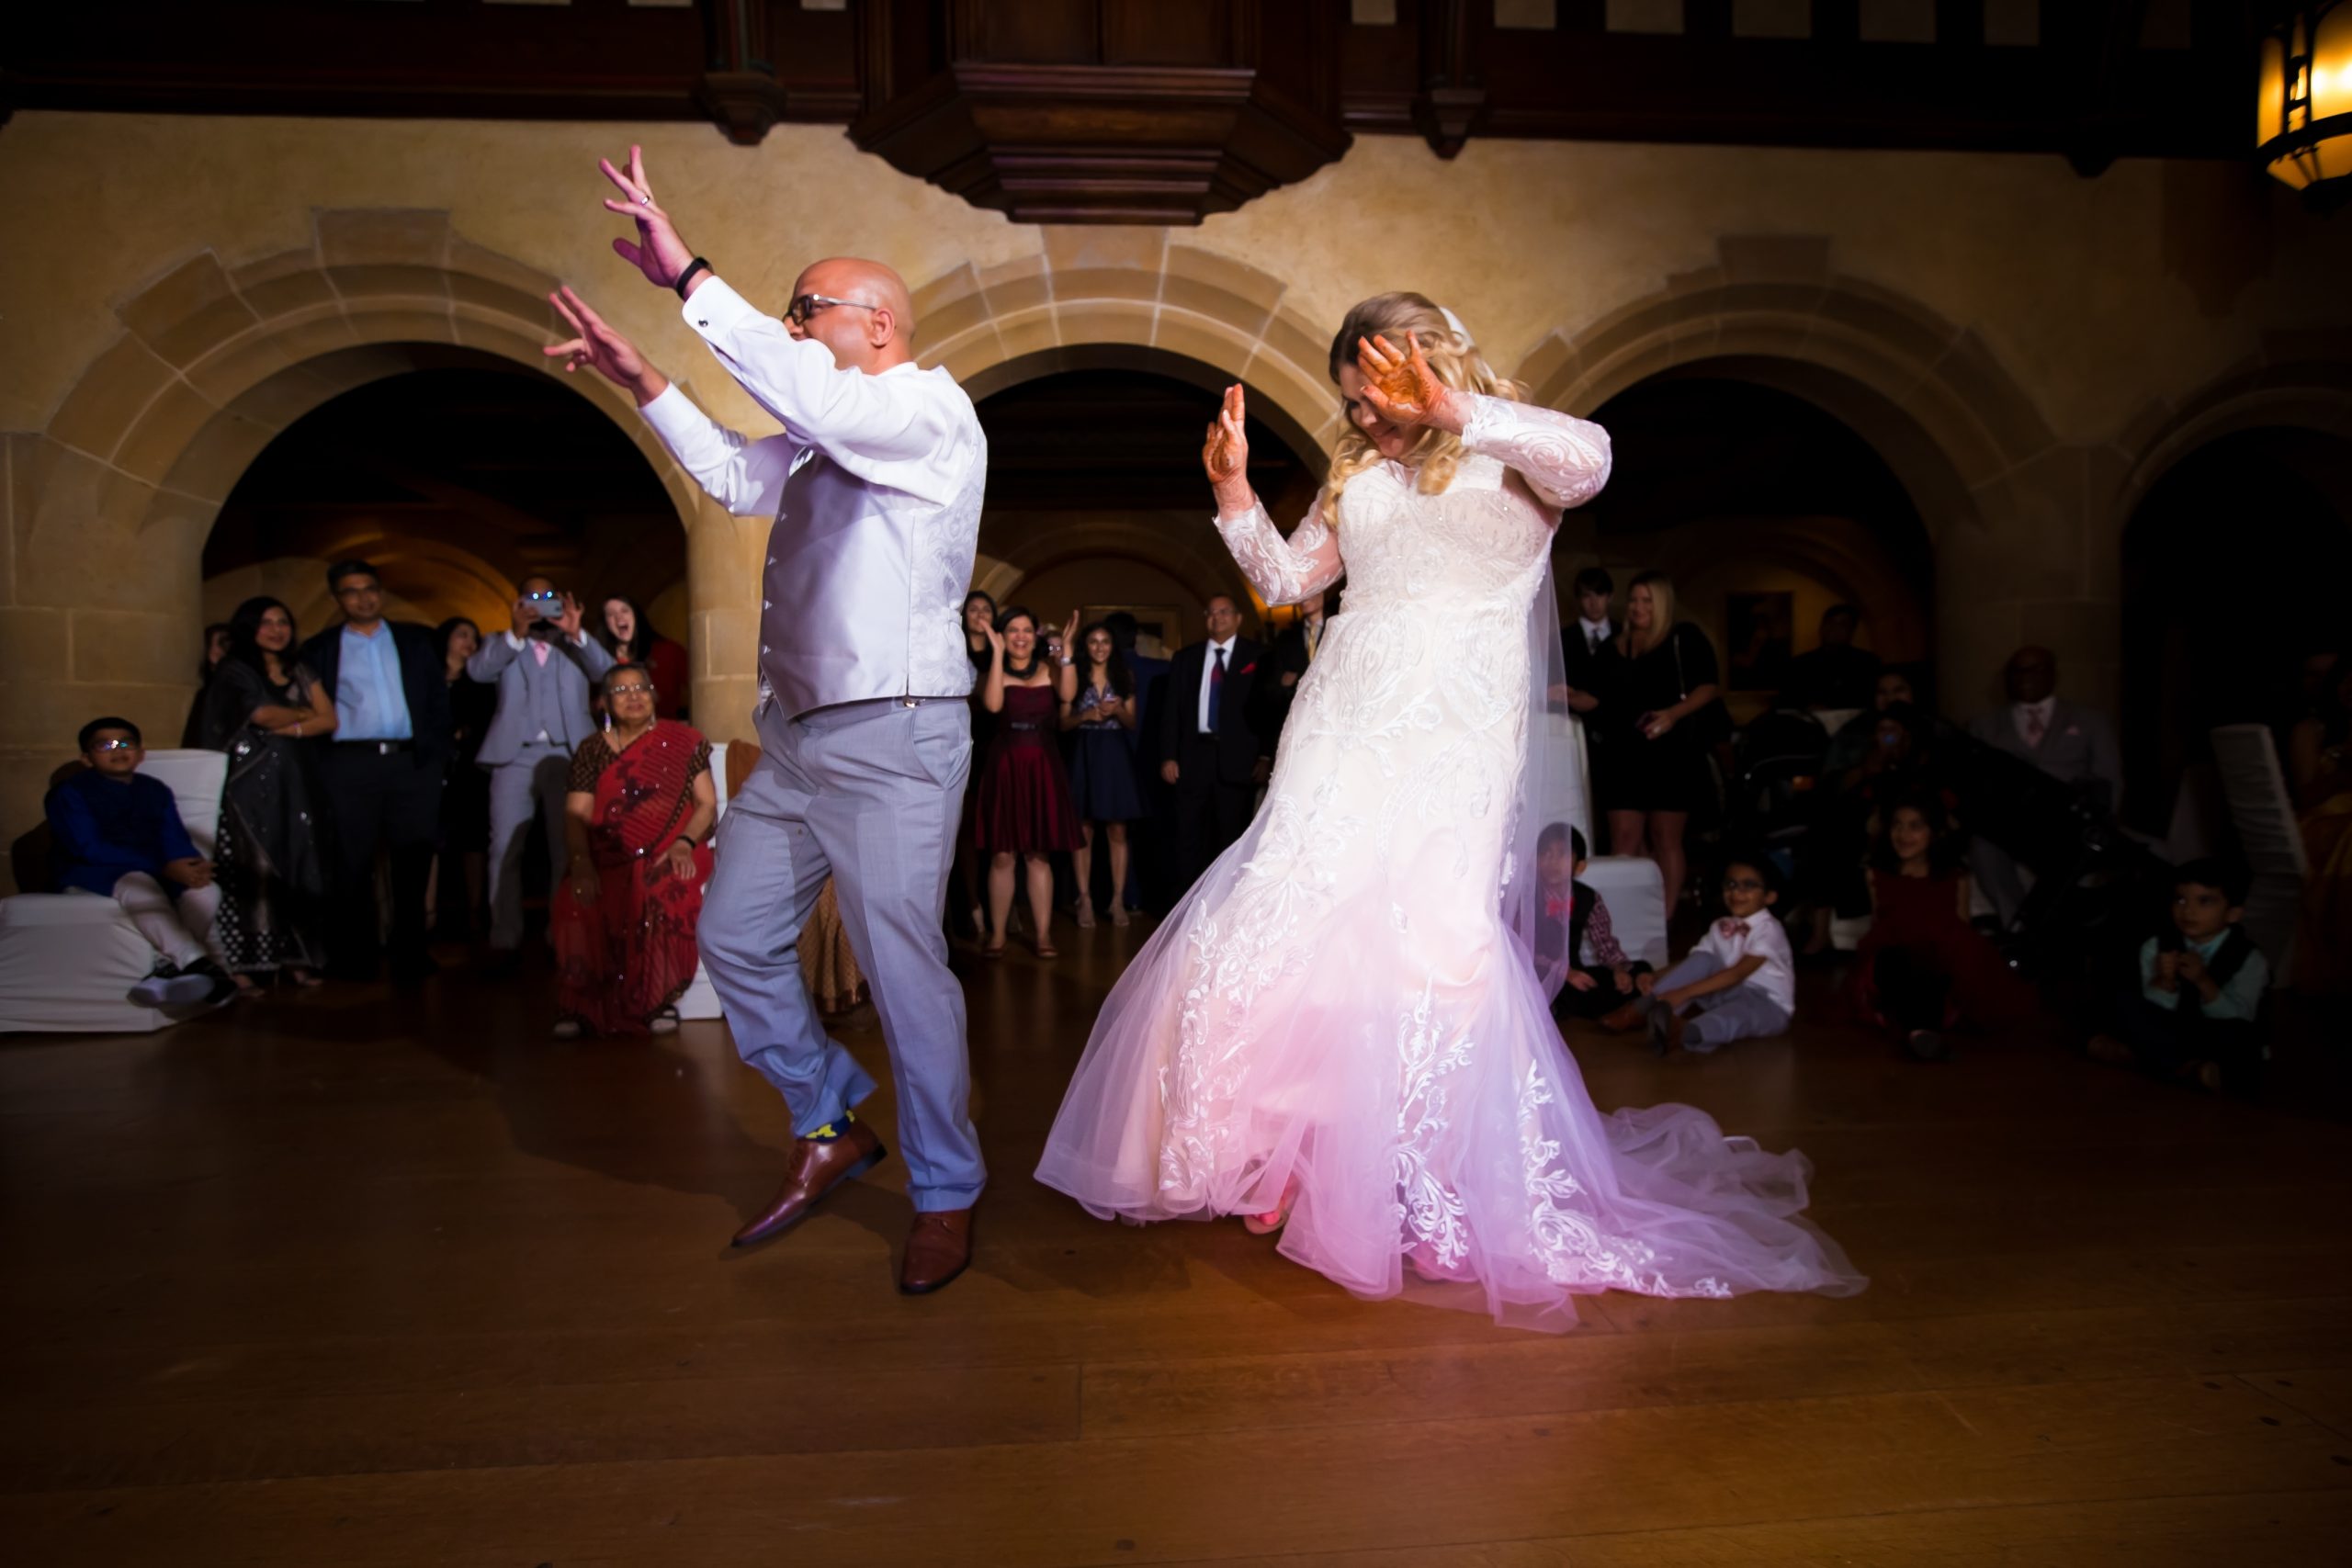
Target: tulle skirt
pixel 1336 1013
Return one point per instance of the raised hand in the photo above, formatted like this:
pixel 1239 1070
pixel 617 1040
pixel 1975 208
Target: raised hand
pixel 1400 387
pixel 996 642
pixel 659 252
pixel 1225 452
pixel 569 622
pixel 1069 634
pixel 598 347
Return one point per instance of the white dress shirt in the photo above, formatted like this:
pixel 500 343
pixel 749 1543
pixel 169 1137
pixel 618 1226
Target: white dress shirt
pixel 875 485
pixel 1595 632
pixel 1759 934
pixel 1208 667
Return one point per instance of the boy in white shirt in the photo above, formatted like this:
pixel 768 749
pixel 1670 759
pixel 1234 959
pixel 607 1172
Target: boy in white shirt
pixel 1738 982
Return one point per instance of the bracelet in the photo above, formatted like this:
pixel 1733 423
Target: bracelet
pixel 693 266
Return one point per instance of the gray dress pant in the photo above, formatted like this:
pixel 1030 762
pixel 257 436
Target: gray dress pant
pixel 1721 1017
pixel 537 777
pixel 868 793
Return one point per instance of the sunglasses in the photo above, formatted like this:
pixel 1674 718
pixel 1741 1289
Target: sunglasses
pixel 807 305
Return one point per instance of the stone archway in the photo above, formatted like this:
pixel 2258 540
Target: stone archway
pixel 1091 294
pixel 120 491
pixel 1999 495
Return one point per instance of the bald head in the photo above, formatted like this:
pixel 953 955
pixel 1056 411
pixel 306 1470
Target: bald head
pixel 874 328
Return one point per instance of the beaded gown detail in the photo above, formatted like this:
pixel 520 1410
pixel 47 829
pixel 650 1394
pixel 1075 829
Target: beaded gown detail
pixel 1339 1009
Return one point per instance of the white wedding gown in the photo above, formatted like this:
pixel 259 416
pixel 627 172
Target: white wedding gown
pixel 1339 1008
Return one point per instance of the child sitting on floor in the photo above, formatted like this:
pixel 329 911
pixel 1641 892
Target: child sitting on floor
pixel 2196 1016
pixel 1923 968
pixel 1573 929
pixel 119 835
pixel 1737 982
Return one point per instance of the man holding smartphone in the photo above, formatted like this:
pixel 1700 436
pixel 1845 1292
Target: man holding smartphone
pixel 545 667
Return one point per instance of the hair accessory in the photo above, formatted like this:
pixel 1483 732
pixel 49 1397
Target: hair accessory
pixel 1460 330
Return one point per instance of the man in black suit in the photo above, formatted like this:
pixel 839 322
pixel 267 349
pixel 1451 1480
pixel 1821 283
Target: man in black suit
pixel 1286 665
pixel 1210 745
pixel 382 770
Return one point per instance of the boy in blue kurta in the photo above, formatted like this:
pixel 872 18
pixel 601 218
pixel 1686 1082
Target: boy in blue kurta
pixel 2197 1014
pixel 119 835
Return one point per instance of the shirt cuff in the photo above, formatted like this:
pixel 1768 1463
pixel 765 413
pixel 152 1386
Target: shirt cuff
pixel 715 309
pixel 513 641
pixel 673 415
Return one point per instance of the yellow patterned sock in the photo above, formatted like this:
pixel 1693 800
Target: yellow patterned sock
pixel 831 1130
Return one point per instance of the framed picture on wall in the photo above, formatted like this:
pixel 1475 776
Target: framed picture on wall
pixel 1759 635
pixel 1160 628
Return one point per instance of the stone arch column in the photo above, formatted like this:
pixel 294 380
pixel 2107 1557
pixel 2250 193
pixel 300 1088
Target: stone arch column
pixel 109 505
pixel 2282 386
pixel 2003 500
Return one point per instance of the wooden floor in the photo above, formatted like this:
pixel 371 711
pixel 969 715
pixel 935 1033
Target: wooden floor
pixel 356 1278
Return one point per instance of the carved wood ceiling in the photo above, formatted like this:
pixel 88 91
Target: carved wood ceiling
pixel 1166 111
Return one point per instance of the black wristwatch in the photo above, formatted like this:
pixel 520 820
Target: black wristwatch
pixel 693 266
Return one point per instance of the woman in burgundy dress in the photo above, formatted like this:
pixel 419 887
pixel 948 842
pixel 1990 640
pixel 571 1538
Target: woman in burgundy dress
pixel 1023 810
pixel 1924 968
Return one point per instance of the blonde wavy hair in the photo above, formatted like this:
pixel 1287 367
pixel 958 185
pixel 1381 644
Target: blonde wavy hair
pixel 1452 354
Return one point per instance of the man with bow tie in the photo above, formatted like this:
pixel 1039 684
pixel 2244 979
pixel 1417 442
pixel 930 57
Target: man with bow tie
pixel 1215 753
pixel 2070 743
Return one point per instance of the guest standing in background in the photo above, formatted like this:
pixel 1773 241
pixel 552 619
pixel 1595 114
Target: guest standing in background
pixel 1102 765
pixel 1664 695
pixel 2319 768
pixel 1588 653
pixel 1024 809
pixel 544 666
pixel 381 772
pixel 1834 677
pixel 1211 753
pixel 456 906
pixel 261 707
pixel 637 810
pixel 967 901
pixel 1149 844
pixel 2070 742
pixel 216 644
pixel 630 639
pixel 1287 663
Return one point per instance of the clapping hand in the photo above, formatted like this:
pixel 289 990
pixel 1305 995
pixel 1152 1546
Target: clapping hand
pixel 659 252
pixel 1401 388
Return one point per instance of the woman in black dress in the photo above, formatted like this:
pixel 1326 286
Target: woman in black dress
pixel 259 707
pixel 459 865
pixel 1664 683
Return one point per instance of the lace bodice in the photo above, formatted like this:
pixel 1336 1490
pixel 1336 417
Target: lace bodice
pixel 1480 542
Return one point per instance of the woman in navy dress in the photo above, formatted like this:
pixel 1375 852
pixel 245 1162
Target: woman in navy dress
pixel 1102 765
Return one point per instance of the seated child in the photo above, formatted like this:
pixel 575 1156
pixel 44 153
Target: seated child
pixel 119 835
pixel 1923 968
pixel 2196 1016
pixel 1573 928
pixel 1737 982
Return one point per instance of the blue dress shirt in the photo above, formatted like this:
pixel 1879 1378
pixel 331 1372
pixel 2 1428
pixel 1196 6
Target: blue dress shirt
pixel 368 701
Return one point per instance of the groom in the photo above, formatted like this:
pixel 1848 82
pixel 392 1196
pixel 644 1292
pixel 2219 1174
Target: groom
pixel 875 485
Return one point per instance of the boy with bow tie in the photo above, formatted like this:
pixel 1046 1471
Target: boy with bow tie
pixel 1573 928
pixel 1737 984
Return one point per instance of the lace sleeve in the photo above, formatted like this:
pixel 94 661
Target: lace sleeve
pixel 1563 458
pixel 1284 570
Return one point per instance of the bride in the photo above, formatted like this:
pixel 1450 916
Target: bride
pixel 1340 1031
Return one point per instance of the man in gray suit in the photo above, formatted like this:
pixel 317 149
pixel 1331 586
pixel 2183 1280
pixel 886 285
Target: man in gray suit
pixel 545 668
pixel 865 741
pixel 2070 743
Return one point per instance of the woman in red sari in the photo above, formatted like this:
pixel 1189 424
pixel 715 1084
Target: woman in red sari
pixel 638 817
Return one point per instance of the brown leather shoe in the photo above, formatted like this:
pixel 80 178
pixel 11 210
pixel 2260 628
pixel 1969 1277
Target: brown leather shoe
pixel 816 1169
pixel 939 1247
